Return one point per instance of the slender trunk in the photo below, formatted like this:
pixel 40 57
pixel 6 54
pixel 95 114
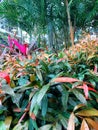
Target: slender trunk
pixel 65 36
pixel 30 40
pixel 50 34
pixel 70 23
pixel 39 40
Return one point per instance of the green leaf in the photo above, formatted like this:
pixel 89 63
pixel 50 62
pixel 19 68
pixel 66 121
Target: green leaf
pixel 38 72
pixel 30 127
pixel 44 66
pixel 54 128
pixel 81 76
pixel 45 127
pixel 34 124
pixel 44 105
pixel 2 109
pixel 79 96
pixel 8 90
pixel 63 121
pixel 16 98
pixel 58 126
pixel 94 94
pixel 19 126
pixel 2 125
pixel 36 108
pixel 23 80
pixel 33 102
pixel 64 98
pixel 42 93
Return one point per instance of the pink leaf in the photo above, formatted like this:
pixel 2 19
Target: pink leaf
pixel 85 88
pixel 22 48
pixel 95 68
pixel 65 79
pixel 71 122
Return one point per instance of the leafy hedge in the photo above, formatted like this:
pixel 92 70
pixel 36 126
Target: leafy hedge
pixel 47 91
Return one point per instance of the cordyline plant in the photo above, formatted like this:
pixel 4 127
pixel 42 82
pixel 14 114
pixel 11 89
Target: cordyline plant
pixel 47 91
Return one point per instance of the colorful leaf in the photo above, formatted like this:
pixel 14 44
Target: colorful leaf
pixel 92 123
pixel 8 121
pixel 22 48
pixel 65 79
pixel 79 106
pixel 91 89
pixel 32 115
pixel 88 112
pixel 84 125
pixel 71 122
pixel 85 88
pixel 5 76
pixel 95 68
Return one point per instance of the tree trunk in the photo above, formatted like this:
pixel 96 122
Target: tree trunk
pixel 50 34
pixel 70 23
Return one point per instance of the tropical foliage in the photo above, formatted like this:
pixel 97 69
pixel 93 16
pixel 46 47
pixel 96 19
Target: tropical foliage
pixel 42 17
pixel 50 91
pixel 46 90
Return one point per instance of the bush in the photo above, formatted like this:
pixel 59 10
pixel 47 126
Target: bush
pixel 50 91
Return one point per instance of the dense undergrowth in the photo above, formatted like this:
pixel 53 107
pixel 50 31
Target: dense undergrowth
pixel 48 91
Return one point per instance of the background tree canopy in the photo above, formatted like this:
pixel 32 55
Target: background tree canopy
pixel 50 17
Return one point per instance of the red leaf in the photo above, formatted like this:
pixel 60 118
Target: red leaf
pixel 65 79
pixel 92 89
pixel 5 76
